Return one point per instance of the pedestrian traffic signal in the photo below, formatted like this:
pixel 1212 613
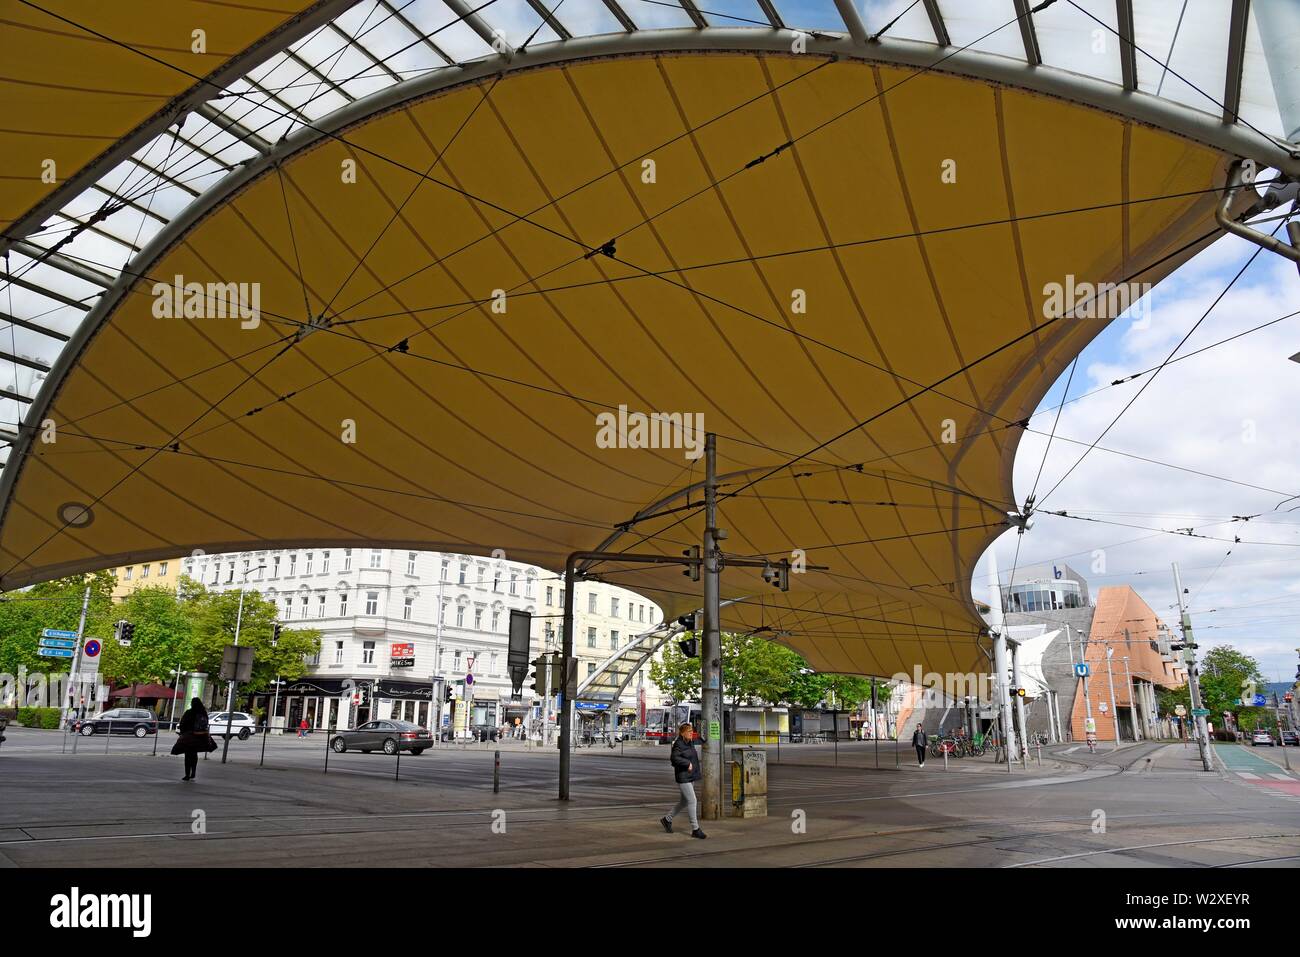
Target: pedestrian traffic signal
pixel 690 647
pixel 541 676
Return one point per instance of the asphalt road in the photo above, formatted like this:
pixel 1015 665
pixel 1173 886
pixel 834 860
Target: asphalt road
pixel 1143 806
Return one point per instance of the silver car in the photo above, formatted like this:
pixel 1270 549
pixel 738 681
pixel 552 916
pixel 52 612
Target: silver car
pixel 387 735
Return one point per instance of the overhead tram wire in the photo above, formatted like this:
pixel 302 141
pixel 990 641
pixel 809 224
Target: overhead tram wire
pixel 1032 331
pixel 1147 382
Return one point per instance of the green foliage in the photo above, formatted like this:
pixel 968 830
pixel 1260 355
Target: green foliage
pixel 47 718
pixel 1226 676
pixel 755 670
pixel 186 629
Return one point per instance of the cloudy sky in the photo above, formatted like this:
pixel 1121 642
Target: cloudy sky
pixel 1232 412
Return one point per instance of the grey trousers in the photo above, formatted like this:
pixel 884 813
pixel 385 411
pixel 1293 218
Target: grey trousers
pixel 686 803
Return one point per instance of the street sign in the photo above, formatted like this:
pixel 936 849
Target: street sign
pixel 1081 670
pixel 469 679
pixel 58 642
pixel 55 652
pixel 1201 712
pixel 58 633
pixel 1102 706
pixel 92 647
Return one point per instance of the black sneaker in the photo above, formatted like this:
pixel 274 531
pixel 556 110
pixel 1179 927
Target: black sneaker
pixel 668 825
pixel 698 833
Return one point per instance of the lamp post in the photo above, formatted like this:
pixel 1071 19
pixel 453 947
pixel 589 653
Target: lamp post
pixel 1114 707
pixel 230 688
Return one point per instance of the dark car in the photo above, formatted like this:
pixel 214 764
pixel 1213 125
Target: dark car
pixel 388 735
pixel 136 721
pixel 1289 738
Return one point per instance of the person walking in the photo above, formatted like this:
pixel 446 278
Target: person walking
pixel 193 737
pixel 686 771
pixel 918 742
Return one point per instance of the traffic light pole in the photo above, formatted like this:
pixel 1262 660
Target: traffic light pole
pixel 1193 676
pixel 1021 731
pixel 711 646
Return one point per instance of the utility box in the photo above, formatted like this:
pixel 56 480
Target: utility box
pixel 748 782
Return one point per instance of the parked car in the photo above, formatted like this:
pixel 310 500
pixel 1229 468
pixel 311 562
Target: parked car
pixel 388 736
pixel 136 721
pixel 1261 737
pixel 1290 738
pixel 241 724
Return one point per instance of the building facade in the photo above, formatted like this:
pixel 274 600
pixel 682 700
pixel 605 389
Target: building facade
pixel 402 632
pixel 165 572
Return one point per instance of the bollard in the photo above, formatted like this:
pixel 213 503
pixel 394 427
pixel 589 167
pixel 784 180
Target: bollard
pixel 156 732
pixel 108 737
pixel 1040 755
pixel 397 770
pixel 945 756
pixel 496 773
pixel 327 751
pixel 267 727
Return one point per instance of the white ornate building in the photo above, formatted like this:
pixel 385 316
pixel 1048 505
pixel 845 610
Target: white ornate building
pixel 392 620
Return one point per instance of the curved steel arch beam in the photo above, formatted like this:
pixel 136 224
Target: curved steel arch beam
pixel 1191 124
pixel 188 100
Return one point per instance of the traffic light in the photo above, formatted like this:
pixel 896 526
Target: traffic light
pixel 690 647
pixel 541 676
pixel 693 569
pixel 122 631
pixel 447 696
pixel 1017 692
pixel 275 634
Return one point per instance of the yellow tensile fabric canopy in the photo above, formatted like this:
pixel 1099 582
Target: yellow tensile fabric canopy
pixel 70 93
pixel 452 402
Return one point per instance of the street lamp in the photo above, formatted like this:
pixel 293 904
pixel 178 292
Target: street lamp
pixel 230 688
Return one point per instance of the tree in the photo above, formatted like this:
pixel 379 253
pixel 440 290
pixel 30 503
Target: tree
pixel 163 639
pixel 213 620
pixel 1228 677
pixel 52 604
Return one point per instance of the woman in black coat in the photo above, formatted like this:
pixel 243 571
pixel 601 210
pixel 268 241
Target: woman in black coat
pixel 686 771
pixel 194 737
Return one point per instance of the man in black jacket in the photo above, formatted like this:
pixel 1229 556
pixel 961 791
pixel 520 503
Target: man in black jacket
pixel 919 742
pixel 686 771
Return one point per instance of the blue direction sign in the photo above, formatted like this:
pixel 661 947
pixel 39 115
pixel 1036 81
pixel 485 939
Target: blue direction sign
pixel 58 633
pixel 54 652
pixel 1082 670
pixel 58 642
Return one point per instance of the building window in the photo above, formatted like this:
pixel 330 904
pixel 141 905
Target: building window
pixel 338 652
pixel 613 639
pixel 463 570
pixel 528 586
pixel 549 631
pixel 324 563
pixel 591 668
pixel 376 558
pixel 591 637
pixel 320 605
pixel 460 616
pixel 493 665
pixel 591 602
pixel 288 608
pixel 230 573
pixel 446 563
pixel 408 607
pixel 549 595
pixel 189 569
pixel 496 581
pixel 478 619
pixel 343 604
pixel 613 607
pixel 307 565
pixel 367 652
pixel 641 612
pixel 514 587
pixel 455 664
pixel 410 563
pixel 293 564
pixel 144 571
pixel 347 559
pixel 496 620
pixel 372 603
pixel 275 566
pixel 303 607
pixel 129 570
pixel 260 570
pixel 442 614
